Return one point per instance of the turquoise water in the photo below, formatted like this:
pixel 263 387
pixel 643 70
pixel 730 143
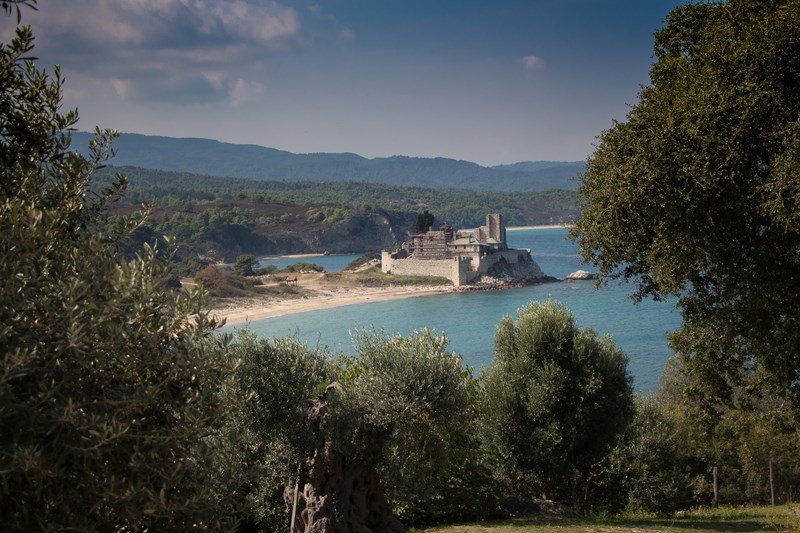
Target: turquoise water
pixel 468 319
pixel 331 263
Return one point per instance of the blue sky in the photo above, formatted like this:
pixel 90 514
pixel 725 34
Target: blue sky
pixel 488 81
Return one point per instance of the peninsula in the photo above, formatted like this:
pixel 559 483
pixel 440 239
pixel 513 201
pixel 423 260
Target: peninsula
pixel 496 266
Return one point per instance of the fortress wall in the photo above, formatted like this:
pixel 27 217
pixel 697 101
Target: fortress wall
pixel 453 269
pixel 459 271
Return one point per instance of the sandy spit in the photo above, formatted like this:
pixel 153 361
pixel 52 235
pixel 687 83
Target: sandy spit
pixel 243 310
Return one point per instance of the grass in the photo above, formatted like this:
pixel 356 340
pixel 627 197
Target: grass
pixel 374 277
pixel 706 520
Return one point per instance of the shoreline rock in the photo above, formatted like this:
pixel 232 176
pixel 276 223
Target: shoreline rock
pixel 579 275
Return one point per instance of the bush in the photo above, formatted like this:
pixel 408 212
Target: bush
pixel 107 386
pixel 362 260
pixel 223 282
pixel 555 399
pixel 652 463
pixel 266 438
pixel 409 403
pixel 302 266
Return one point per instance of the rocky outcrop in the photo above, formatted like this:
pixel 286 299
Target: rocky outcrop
pixel 342 494
pixel 365 231
pixel 579 275
pixel 520 268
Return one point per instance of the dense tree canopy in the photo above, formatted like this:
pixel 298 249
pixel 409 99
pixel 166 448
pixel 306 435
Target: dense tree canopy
pixel 555 399
pixel 106 387
pixel 697 193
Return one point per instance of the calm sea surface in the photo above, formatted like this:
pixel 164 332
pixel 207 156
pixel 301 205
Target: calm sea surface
pixel 469 319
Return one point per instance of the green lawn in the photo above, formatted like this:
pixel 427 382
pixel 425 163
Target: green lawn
pixel 745 519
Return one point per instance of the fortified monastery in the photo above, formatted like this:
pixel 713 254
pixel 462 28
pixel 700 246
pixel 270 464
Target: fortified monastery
pixel 463 256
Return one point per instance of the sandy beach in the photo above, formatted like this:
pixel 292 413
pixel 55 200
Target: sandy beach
pixel 246 309
pixel 242 310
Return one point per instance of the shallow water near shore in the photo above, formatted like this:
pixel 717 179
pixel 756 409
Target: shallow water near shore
pixel 469 318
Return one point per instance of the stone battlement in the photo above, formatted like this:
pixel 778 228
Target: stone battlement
pixel 463 257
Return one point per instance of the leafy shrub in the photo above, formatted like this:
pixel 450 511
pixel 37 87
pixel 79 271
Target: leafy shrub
pixel 362 260
pixel 555 399
pixel 266 436
pixel 107 387
pixel 223 282
pixel 303 266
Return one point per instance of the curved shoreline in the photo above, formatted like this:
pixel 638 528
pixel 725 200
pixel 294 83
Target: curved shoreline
pixel 241 312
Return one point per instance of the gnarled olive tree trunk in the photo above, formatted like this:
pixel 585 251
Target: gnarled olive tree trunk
pixel 341 494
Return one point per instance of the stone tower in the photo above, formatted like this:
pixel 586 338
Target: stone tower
pixel 494 223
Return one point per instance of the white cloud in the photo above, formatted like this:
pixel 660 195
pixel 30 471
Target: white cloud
pixel 531 63
pixel 168 50
pixel 243 92
pixel 260 23
pixel 214 79
pixel 175 24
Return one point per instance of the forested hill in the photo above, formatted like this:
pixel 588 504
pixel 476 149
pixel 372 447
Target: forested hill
pixel 205 156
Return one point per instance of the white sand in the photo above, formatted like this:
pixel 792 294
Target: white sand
pixel 241 310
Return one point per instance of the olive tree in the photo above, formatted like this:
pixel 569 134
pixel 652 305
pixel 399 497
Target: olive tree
pixel 106 383
pixel 652 466
pixel 348 432
pixel 555 399
pixel 695 195
pixel 385 419
pixel 417 415
pixel 265 438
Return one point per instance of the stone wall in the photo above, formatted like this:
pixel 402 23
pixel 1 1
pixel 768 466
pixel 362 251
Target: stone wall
pixel 512 264
pixel 411 266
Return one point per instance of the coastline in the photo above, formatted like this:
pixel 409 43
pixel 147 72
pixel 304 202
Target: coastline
pixel 544 226
pixel 290 256
pixel 241 311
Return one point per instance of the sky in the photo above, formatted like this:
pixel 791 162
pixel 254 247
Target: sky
pixel 487 81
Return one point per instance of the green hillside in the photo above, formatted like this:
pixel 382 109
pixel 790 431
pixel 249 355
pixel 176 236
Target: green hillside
pixel 205 156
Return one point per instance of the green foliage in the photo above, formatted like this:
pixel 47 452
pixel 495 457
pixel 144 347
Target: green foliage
pixel 244 265
pixel 424 222
pixel 459 208
pixel 740 440
pixel 407 382
pixel 362 260
pixel 327 214
pixel 653 464
pixel 223 282
pixel 374 277
pixel 696 196
pixel 411 407
pixel 555 399
pixel 106 388
pixel 265 436
pixel 303 266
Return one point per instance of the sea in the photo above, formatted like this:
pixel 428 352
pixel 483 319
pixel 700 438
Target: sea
pixel 469 319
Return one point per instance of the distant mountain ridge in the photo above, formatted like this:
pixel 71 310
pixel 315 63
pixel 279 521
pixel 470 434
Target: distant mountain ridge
pixel 215 158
